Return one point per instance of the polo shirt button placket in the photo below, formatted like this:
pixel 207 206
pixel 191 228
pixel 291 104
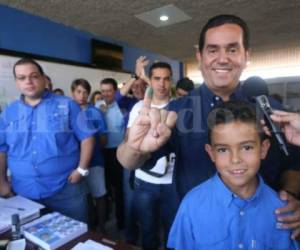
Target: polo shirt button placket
pixel 242 213
pixel 240 246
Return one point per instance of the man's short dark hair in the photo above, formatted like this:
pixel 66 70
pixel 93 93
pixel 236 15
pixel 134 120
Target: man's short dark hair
pixel 221 20
pixel 162 65
pixel 111 81
pixel 186 84
pixel 81 82
pixel 233 111
pixel 27 60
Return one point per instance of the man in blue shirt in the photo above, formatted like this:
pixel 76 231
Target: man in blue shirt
pixel 239 212
pixel 46 144
pixel 223 54
pixel 115 133
pixel 81 90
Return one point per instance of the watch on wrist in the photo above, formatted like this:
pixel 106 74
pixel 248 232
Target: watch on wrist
pixel 83 172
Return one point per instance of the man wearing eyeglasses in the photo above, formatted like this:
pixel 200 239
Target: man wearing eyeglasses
pixel 46 144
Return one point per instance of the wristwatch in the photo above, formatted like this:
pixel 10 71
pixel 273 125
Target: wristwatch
pixel 82 171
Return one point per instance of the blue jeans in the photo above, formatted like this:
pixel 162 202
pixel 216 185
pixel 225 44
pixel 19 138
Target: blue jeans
pixel 70 201
pixel 154 203
pixel 130 222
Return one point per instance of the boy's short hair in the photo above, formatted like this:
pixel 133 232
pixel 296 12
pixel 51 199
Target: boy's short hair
pixel 161 65
pixel 111 81
pixel 185 84
pixel 233 111
pixel 81 82
pixel 28 60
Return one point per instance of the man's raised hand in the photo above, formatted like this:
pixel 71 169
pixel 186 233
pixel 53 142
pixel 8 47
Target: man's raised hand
pixel 152 128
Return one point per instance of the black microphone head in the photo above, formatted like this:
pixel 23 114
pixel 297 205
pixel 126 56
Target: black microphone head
pixel 254 86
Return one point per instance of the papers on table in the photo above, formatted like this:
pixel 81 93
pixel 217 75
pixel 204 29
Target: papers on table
pixel 91 245
pixel 27 210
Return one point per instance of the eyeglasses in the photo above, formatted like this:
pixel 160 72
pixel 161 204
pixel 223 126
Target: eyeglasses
pixel 31 77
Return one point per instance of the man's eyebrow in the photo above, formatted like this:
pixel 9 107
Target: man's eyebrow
pixel 247 142
pixel 219 145
pixel 212 46
pixel 233 45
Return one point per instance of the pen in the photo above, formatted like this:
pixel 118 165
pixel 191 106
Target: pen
pixel 17 208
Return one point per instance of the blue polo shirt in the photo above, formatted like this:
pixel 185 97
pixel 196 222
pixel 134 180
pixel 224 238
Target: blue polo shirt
pixel 115 125
pixel 42 143
pixel 222 220
pixel 96 118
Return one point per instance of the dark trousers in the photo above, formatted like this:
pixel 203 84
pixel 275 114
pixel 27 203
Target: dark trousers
pixel 154 203
pixel 114 183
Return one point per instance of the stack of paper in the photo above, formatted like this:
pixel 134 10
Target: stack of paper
pixel 27 210
pixel 91 245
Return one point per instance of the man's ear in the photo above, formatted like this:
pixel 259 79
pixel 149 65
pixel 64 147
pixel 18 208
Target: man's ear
pixel 199 57
pixel 209 150
pixel 247 58
pixel 265 145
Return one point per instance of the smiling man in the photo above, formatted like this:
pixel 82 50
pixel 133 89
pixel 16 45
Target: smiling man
pixel 222 56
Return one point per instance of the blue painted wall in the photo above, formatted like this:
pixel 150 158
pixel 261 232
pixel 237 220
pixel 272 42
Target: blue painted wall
pixel 23 32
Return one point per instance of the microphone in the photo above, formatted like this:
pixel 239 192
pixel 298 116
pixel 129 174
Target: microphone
pixel 255 89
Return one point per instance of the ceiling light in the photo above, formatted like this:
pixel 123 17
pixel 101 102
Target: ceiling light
pixel 163 18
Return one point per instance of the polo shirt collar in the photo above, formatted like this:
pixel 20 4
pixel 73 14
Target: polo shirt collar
pixel 215 99
pixel 226 196
pixel 45 95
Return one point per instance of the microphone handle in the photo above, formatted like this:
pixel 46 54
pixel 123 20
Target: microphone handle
pixel 265 107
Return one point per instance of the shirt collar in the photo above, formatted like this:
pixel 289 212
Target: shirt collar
pixel 226 196
pixel 45 95
pixel 214 99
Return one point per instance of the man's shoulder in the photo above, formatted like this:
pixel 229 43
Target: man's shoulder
pixel 14 104
pixel 186 101
pixel 136 107
pixel 94 112
pixel 59 98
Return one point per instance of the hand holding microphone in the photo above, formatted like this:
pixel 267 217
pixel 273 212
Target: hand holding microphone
pixel 290 123
pixel 255 90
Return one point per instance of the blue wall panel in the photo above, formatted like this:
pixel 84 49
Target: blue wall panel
pixel 24 32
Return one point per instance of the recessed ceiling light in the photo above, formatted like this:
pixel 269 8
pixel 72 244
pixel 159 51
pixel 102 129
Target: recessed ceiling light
pixel 163 18
pixel 155 17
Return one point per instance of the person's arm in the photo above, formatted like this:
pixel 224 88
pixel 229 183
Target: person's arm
pixel 289 215
pixel 127 86
pixel 86 151
pixel 129 157
pixel 140 65
pixel 5 189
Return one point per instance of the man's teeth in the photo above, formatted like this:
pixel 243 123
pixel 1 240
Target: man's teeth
pixel 222 70
pixel 238 171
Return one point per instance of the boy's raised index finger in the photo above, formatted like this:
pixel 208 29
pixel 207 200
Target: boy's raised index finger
pixel 148 97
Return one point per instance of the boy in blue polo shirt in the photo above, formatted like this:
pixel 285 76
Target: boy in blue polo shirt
pixel 81 90
pixel 235 208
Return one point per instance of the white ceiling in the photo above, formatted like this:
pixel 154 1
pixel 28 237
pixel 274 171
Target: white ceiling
pixel 273 23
